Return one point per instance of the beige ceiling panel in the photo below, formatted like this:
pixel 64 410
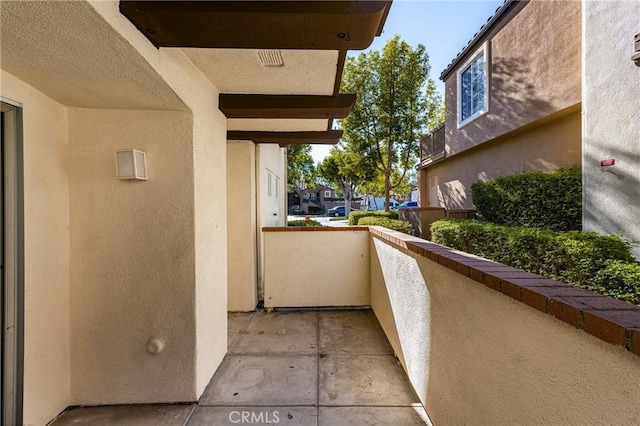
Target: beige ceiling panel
pixel 276 125
pixel 304 72
pixel 67 51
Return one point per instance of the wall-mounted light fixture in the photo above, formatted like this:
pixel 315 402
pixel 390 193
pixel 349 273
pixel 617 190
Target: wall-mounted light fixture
pixel 131 164
pixel 636 56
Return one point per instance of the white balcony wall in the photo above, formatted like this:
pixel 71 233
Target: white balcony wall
pixel 316 268
pixel 476 356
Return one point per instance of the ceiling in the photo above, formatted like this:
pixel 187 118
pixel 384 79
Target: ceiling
pixel 67 51
pixel 286 48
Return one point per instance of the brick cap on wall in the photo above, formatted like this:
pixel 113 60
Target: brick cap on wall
pixel 612 320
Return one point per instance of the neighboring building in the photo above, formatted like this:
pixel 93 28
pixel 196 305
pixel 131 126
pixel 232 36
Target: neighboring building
pixel 513 100
pixel 611 119
pixel 105 265
pixel 322 198
pixel 376 203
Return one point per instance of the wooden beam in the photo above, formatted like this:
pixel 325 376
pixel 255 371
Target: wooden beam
pixel 286 106
pixel 318 25
pixel 330 137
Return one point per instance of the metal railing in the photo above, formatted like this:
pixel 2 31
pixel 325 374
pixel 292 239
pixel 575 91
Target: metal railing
pixel 432 146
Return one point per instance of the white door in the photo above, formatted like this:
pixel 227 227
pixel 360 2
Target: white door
pixel 272 205
pixel 433 191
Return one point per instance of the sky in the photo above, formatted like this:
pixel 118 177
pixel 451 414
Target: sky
pixel 443 27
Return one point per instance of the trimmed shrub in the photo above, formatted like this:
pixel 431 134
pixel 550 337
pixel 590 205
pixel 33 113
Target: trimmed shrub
pixel 618 279
pixel 395 224
pixel 538 200
pixel 303 222
pixel 582 259
pixel 354 217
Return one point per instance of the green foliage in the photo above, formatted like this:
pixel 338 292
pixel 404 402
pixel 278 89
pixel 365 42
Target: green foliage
pixel 355 217
pixel 334 219
pixel 397 103
pixel 395 224
pixel 538 200
pixel 301 172
pixel 346 170
pixel 602 263
pixel 303 222
pixel 620 280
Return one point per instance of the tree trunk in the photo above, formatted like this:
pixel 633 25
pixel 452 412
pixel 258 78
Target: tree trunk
pixel 347 203
pixel 387 190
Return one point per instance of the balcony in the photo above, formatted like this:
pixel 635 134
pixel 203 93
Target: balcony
pixel 432 147
pixel 476 342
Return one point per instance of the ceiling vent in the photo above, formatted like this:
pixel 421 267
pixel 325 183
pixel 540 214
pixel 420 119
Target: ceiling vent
pixel 270 58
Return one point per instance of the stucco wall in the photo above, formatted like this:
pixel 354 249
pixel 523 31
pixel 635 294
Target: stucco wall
pixel 241 225
pixel 534 71
pixel 475 356
pixel 316 268
pixel 208 185
pixel 269 157
pixel 611 127
pixel 544 148
pixel 132 251
pixel 46 183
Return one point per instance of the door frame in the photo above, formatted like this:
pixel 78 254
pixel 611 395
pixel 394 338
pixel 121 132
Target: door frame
pixel 12 252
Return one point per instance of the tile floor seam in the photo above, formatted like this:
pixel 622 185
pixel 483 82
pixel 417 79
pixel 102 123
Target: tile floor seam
pixel 193 410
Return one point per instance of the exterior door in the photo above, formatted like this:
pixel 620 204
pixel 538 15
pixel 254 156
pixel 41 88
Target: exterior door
pixel 11 263
pixel 433 191
pixel 272 209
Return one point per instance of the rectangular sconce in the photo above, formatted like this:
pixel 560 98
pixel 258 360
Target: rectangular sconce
pixel 131 164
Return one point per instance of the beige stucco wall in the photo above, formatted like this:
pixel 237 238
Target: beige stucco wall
pixel 316 268
pixel 241 224
pixel 132 252
pixel 545 148
pixel 112 263
pixel 611 126
pixel 209 188
pixel 475 356
pixel 269 157
pixel 47 388
pixel 534 72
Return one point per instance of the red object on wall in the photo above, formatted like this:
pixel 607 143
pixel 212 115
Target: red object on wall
pixel 606 163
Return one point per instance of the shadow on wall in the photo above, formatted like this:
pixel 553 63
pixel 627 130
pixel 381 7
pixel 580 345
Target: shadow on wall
pixel 513 103
pixel 454 195
pixel 612 194
pixel 512 95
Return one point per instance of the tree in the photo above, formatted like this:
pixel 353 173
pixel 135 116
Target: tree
pixel 397 103
pixel 301 172
pixel 346 170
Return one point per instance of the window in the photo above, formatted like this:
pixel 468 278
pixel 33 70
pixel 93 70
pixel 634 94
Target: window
pixel 472 87
pixel 327 194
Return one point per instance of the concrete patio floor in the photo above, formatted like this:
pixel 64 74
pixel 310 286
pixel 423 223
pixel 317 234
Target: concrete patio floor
pixel 310 367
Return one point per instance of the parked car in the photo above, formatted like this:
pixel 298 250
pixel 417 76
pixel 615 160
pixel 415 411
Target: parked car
pixel 338 211
pixel 406 205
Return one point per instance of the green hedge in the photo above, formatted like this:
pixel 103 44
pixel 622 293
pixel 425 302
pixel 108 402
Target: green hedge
pixel 354 217
pixel 618 279
pixel 539 200
pixel 601 263
pixel 303 222
pixel 395 224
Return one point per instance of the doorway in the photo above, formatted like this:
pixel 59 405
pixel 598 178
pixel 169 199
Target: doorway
pixel 11 262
